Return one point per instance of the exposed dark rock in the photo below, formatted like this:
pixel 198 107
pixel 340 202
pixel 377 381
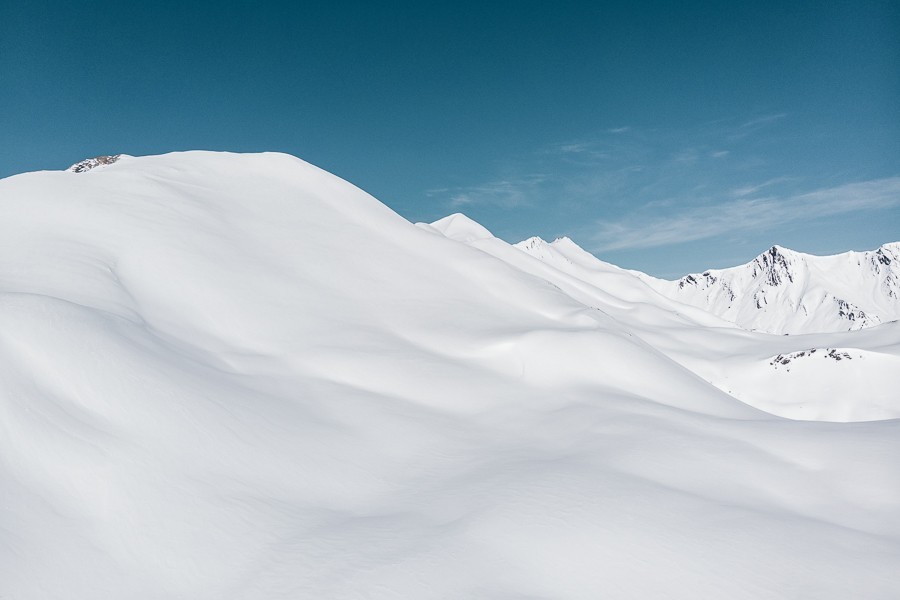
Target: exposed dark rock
pixel 90 163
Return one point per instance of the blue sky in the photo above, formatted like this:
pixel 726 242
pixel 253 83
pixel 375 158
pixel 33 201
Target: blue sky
pixel 667 137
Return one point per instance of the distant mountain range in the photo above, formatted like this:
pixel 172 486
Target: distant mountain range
pixel 783 291
pixel 780 291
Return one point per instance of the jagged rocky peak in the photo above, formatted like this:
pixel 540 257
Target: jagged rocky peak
pixel 775 265
pixel 886 263
pixel 887 254
pixel 703 280
pixel 776 254
pixel 90 163
pixel 784 291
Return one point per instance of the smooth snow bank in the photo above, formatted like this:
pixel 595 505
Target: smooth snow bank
pixel 237 376
pixel 739 362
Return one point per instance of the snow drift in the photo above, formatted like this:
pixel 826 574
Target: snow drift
pixel 238 376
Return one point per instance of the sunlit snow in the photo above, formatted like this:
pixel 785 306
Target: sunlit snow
pixel 238 376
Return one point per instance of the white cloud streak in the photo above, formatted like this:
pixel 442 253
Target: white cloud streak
pixel 763 120
pixel 748 190
pixel 745 214
pixel 752 126
pixel 506 193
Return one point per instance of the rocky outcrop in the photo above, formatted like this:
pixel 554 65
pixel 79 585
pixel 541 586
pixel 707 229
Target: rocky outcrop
pixel 91 163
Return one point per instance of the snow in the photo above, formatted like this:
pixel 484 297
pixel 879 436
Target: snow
pixel 461 228
pixel 738 362
pixel 783 291
pixel 238 376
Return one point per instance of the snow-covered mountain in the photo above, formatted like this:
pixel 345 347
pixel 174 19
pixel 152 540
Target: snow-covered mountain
pixel 783 291
pixel 780 291
pixel 232 376
pixel 752 369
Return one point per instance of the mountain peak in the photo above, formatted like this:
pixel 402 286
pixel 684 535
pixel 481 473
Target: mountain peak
pixel 888 252
pixel 777 250
pixel 785 291
pixel 462 228
pixel 776 265
pixel 567 242
pixel 531 243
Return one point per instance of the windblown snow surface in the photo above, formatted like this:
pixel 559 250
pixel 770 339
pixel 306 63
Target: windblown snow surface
pixel 238 376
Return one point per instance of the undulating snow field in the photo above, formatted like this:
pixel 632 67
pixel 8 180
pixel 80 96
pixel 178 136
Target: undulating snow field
pixel 239 377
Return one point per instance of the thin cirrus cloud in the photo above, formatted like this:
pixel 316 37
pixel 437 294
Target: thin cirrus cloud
pixel 754 125
pixel 744 214
pixel 763 120
pixel 506 193
pixel 747 190
pixel 567 165
pixel 676 186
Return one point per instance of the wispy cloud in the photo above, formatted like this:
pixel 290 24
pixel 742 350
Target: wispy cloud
pixel 506 193
pixel 748 190
pixel 578 152
pixel 752 126
pixel 574 147
pixel 763 120
pixel 615 163
pixel 686 156
pixel 744 214
pixel 731 176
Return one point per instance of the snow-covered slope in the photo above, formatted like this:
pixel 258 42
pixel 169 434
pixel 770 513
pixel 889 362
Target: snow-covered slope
pixel 237 376
pixel 782 291
pixel 741 363
pixel 752 367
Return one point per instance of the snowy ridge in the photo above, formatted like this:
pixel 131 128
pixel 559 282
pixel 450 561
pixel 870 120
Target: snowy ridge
pixel 782 291
pixel 743 363
pixel 740 364
pixel 461 228
pixel 229 376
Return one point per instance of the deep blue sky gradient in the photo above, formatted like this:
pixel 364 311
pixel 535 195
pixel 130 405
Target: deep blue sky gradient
pixel 630 127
